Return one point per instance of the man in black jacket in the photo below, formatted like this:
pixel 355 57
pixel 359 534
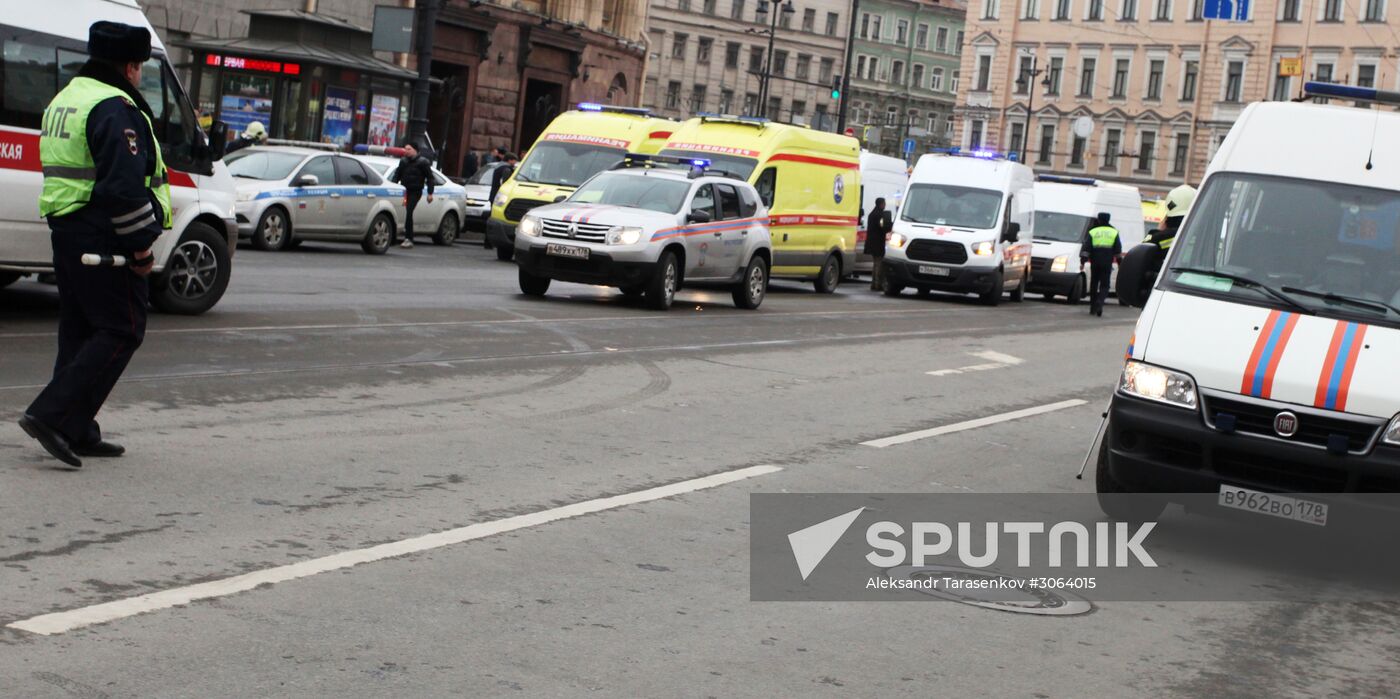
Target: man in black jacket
pixel 875 231
pixel 414 173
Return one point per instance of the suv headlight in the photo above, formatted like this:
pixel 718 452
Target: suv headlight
pixel 1059 264
pixel 897 241
pixel 624 235
pixel 245 195
pixel 984 248
pixel 1158 384
pixel 1392 432
pixel 529 226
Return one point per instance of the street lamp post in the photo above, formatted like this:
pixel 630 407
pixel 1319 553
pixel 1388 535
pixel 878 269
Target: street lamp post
pixel 841 109
pixel 771 19
pixel 418 107
pixel 1024 84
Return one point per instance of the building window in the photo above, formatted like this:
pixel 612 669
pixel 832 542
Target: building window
pixel 932 124
pixel 1063 8
pixel 953 82
pixel 1164 11
pixel 1323 73
pixel 1022 85
pixel 1154 78
pixel 1086 77
pixel 702 49
pixel 828 66
pixel 1032 10
pixel 731 54
pixel 832 19
pixel 809 20
pixel 804 67
pixel 1183 151
pixel 1198 9
pixel 1047 144
pixel 918 76
pixel 1290 10
pixel 819 118
pixel 709 7
pixel 940 40
pixel 984 72
pixel 683 5
pixel 780 63
pixel 755 59
pixel 775 108
pixel 1120 78
pixel 1052 75
pixel 784 19
pixel 1112 144
pixel 1188 81
pixel 1375 11
pixel 1095 11
pixel 697 98
pixel 901 32
pixel 750 104
pixel 678 46
pixel 921 37
pixel 1366 75
pixel 957 48
pixel 673 95
pixel 897 73
pixel 1128 13
pixel 736 10
pixel 936 82
pixel 1234 79
pixel 799 109
pixel 1332 10
pixel 974 134
pixel 1149 144
pixel 990 10
pixel 1283 86
pixel 726 101
pixel 1076 152
pixel 870 27
pixel 948 128
pixel 891 116
pixel 1018 136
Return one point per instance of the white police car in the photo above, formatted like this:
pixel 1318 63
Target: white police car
pixel 290 194
pixel 646 226
pixel 442 218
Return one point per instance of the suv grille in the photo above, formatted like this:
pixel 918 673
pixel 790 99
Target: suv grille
pixel 937 251
pixel 1040 264
pixel 1314 429
pixel 519 207
pixel 588 232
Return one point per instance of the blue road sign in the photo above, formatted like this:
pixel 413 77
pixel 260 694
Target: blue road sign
pixel 1232 10
pixel 908 146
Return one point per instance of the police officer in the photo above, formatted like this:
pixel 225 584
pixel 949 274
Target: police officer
pixel 1101 245
pixel 105 194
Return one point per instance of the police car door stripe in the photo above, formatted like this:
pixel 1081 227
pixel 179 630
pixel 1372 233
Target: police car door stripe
pixel 1268 352
pixel 1334 383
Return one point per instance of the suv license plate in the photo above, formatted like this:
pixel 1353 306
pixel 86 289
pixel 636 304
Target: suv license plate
pixel 568 251
pixel 1273 505
pixel 933 271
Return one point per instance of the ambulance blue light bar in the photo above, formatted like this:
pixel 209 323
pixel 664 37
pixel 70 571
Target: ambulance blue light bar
pixel 595 107
pixel 1067 180
pixel 696 165
pixel 712 116
pixel 1364 94
pixel 979 153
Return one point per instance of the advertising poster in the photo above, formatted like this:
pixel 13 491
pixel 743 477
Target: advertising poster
pixel 383 120
pixel 239 111
pixel 338 121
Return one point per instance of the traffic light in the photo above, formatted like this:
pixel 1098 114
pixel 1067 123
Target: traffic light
pixel 836 88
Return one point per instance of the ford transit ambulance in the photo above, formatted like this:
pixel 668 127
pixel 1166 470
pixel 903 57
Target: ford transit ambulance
pixel 1065 209
pixel 965 226
pixel 881 177
pixel 577 145
pixel 43 47
pixel 1264 360
pixel 809 181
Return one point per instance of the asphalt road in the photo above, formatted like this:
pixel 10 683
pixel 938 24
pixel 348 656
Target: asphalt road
pixel 335 402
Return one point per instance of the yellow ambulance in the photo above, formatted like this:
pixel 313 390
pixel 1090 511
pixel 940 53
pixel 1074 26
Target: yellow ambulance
pixel 577 145
pixel 809 180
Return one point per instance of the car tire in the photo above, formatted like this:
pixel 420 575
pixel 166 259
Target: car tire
pixel 195 275
pixel 1076 292
pixel 505 253
pixel 829 277
pixel 1141 508
pixel 753 286
pixel 532 285
pixel 273 231
pixel 1019 293
pixel 8 278
pixel 661 290
pixel 448 230
pixel 993 296
pixel 379 236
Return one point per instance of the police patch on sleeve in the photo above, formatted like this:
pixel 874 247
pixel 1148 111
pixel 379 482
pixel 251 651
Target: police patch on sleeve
pixel 131 141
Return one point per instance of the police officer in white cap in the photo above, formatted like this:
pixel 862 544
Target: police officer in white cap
pixel 106 193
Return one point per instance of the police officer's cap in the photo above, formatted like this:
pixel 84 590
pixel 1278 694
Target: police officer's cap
pixel 1104 217
pixel 119 43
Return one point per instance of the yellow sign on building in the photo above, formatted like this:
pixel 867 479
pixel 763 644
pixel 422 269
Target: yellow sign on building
pixel 1290 66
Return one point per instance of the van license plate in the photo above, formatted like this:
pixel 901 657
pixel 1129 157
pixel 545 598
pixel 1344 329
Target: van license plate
pixel 1273 505
pixel 933 271
pixel 569 251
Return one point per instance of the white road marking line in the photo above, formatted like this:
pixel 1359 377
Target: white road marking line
pixel 997 361
pixel 62 622
pixel 972 424
pixel 999 358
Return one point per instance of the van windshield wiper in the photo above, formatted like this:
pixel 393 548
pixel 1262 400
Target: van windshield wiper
pixel 1342 298
pixel 1295 303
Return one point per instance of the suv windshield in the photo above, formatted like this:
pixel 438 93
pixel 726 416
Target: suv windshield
pixel 566 164
pixel 1331 248
pixel 263 165
pixel 949 205
pixel 735 165
pixel 638 191
pixel 1061 228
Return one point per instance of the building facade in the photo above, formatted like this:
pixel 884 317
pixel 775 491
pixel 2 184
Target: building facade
pixel 904 74
pixel 709 56
pixel 1152 87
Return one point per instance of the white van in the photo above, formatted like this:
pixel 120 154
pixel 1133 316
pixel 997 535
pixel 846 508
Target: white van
pixel 965 226
pixel 1065 209
pixel 880 176
pixel 1264 359
pixel 42 49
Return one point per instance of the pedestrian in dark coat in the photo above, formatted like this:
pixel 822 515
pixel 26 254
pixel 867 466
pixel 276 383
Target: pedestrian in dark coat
pixel 470 164
pixel 876 229
pixel 415 173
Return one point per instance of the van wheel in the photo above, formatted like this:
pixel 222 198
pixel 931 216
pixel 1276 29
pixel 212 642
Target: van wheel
pixel 1019 293
pixel 1115 499
pixel 1076 293
pixel 830 276
pixel 273 231
pixel 753 286
pixel 379 235
pixel 531 285
pixel 196 274
pixel 505 253
pixel 661 290
pixel 447 230
pixel 993 296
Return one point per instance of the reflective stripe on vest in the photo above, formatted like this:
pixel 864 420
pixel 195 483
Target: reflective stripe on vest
pixel 1167 244
pixel 1103 236
pixel 69 171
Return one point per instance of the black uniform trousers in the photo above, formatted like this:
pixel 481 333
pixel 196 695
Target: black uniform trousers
pixel 102 320
pixel 1099 275
pixel 411 198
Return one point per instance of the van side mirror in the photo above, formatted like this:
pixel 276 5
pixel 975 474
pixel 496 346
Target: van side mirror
pixel 218 141
pixel 1013 232
pixel 699 217
pixel 560 198
pixel 1137 273
pixel 308 181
